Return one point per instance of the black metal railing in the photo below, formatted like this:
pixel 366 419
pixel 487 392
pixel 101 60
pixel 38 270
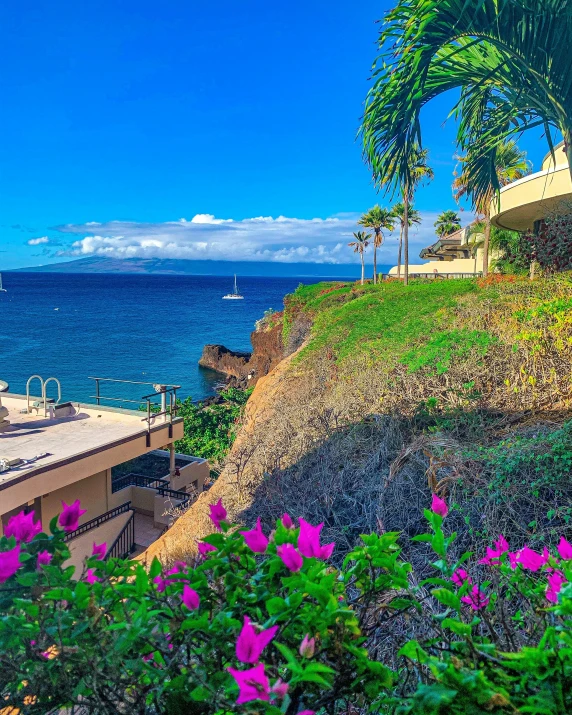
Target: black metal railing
pixel 167 407
pixel 137 480
pixel 101 519
pixel 124 544
pixel 174 494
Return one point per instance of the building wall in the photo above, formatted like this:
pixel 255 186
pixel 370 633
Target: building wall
pixel 92 492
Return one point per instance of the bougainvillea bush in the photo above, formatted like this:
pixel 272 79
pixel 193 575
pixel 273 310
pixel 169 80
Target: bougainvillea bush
pixel 263 623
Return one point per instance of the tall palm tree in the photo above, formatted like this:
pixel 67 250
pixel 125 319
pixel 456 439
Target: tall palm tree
pixel 510 59
pixel 508 165
pixel 447 223
pixel 359 245
pixel 413 217
pixel 379 220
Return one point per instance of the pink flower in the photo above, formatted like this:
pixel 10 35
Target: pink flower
pixel 290 557
pixel 161 583
pixel 513 559
pixel 309 541
pixel 287 522
pixel 438 506
pixel 459 577
pixel 307 647
pixel 217 513
pixel 307 712
pixel 9 563
pixel 250 643
pixel 555 582
pixel 44 558
pixel 493 555
pixel 148 657
pixel 532 560
pixel 205 548
pixel 99 550
pixel 69 518
pixel 255 539
pixel 565 549
pixel 23 527
pixel 253 684
pixel 190 598
pixel 280 689
pixel 90 577
pixel 476 599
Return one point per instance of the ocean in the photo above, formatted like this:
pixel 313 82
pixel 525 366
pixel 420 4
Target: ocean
pixel 148 328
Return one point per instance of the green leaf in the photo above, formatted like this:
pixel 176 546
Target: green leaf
pixel 414 651
pixel 276 605
pixel 447 598
pixel 461 629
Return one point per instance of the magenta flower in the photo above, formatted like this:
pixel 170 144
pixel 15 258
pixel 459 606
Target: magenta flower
pixel 205 548
pixel 44 558
pixel 307 647
pixel 250 643
pixel 253 684
pixel 309 541
pixel 493 555
pixel 23 527
pixel 255 539
pixel 513 559
pixel 9 563
pixel 459 577
pixel 307 712
pixel 190 598
pixel 532 560
pixel 90 577
pixel 438 506
pixel 476 599
pixel 280 689
pixel 555 582
pixel 99 550
pixel 565 549
pixel 290 557
pixel 69 518
pixel 161 583
pixel 217 513
pixel 287 522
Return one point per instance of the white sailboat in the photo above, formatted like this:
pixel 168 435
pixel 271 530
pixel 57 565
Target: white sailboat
pixel 2 290
pixel 235 295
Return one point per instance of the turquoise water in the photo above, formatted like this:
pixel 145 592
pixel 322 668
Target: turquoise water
pixel 132 327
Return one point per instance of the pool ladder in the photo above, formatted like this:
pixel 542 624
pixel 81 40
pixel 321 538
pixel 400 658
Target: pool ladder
pixel 43 401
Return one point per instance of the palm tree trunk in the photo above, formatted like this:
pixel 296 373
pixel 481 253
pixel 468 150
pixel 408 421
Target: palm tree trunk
pixel 374 261
pixel 362 268
pixel 568 147
pixel 486 246
pixel 406 236
pixel 399 253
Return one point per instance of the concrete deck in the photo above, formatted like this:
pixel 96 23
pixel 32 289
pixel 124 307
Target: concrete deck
pixel 88 429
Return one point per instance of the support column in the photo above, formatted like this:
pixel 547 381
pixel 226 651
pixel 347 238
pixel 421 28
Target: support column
pixel 172 458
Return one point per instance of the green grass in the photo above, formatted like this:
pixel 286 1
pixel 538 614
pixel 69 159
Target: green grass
pixel 387 320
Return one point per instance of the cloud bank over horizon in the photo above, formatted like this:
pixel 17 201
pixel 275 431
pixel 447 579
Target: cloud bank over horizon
pixel 262 238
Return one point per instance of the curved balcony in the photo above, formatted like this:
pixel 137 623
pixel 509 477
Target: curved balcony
pixel 531 198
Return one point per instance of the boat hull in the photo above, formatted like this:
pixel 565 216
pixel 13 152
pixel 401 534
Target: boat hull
pixel 233 297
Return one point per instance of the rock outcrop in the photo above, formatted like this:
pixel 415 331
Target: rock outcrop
pixel 245 369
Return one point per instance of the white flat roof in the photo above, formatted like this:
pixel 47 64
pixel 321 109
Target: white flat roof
pixel 88 429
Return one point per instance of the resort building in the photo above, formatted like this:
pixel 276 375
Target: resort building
pixel 530 199
pixel 120 463
pixel 459 254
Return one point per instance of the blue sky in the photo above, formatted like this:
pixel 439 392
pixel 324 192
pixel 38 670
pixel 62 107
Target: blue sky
pixel 119 119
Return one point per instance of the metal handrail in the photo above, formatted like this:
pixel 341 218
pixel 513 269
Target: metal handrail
pixel 173 494
pixel 137 480
pixel 117 550
pixel 101 519
pixel 165 390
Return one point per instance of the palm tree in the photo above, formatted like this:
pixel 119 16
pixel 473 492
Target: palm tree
pixel 379 220
pixel 413 217
pixel 510 59
pixel 508 165
pixel 447 223
pixel 359 245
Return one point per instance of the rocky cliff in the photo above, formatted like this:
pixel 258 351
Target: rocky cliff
pixel 245 369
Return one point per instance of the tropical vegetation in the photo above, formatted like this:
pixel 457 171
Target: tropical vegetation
pixel 265 623
pixel 379 220
pixel 413 218
pixel 447 223
pixel 359 245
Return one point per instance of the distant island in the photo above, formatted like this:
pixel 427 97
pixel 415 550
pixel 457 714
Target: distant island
pixel 182 267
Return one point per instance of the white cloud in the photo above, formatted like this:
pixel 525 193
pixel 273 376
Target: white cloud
pixel 38 241
pixel 261 238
